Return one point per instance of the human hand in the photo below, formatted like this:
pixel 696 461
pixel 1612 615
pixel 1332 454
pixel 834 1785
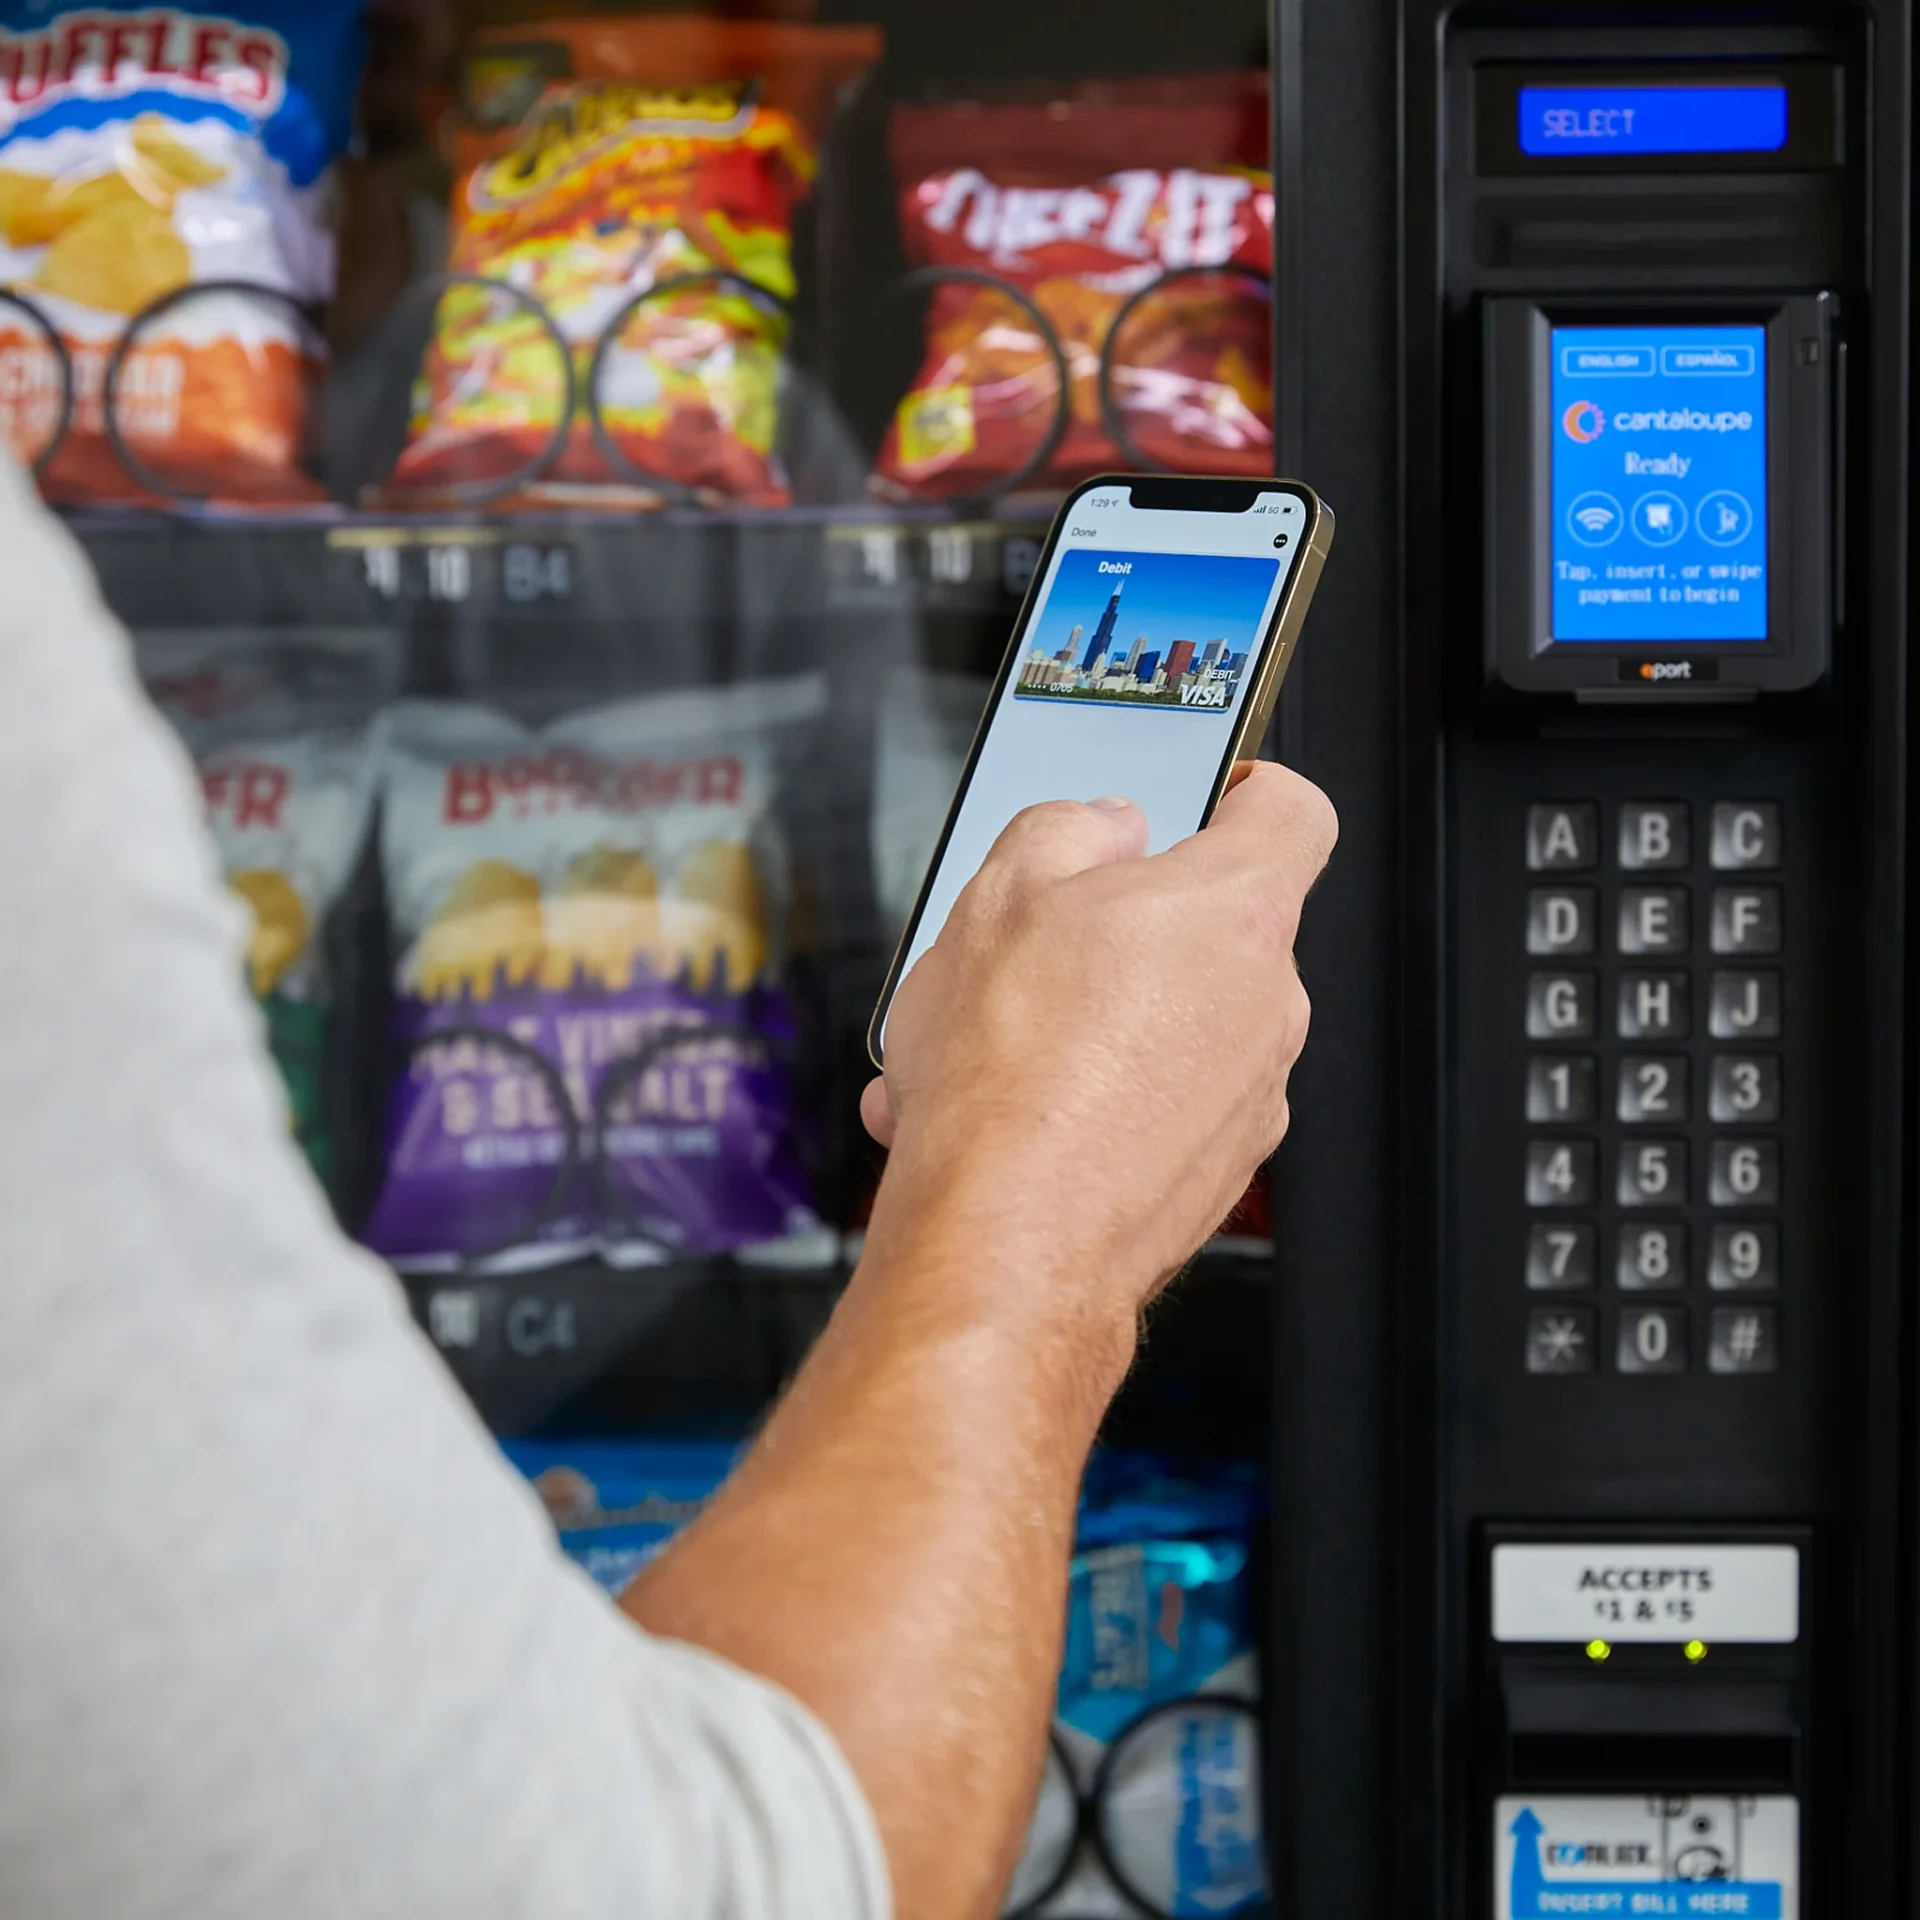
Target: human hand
pixel 1095 1051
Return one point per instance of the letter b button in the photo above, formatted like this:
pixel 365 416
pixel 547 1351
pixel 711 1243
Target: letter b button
pixel 1654 836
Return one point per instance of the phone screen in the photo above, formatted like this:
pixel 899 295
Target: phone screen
pixel 1138 652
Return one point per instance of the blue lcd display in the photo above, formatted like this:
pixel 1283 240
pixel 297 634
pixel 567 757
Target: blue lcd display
pixel 1659 483
pixel 1593 121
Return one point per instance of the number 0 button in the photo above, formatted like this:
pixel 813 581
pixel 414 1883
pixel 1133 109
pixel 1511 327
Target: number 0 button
pixel 1653 1340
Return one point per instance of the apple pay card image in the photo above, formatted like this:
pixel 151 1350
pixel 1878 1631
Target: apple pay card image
pixel 1654 1853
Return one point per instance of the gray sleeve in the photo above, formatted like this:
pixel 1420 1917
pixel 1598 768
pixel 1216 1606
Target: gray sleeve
pixel 279 1631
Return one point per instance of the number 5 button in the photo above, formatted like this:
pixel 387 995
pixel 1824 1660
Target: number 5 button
pixel 1653 1173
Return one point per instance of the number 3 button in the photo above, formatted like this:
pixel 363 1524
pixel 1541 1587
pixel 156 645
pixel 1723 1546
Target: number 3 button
pixel 1746 1089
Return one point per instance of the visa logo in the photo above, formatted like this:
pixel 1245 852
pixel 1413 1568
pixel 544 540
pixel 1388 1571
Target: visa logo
pixel 1209 694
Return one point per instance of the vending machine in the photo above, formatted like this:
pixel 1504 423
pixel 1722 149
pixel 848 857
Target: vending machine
pixel 1623 1618
pixel 568 470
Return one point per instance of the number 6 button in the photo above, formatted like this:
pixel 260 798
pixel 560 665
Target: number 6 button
pixel 1744 1173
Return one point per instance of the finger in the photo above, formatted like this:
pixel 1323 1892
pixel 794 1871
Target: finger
pixel 1274 818
pixel 1056 840
pixel 876 1111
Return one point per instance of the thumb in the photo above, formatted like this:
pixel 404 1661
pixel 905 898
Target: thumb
pixel 1057 839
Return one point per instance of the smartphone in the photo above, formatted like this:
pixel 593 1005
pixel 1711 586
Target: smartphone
pixel 1145 663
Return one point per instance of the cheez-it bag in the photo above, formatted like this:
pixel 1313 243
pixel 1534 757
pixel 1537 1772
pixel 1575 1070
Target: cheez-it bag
pixel 1081 199
pixel 601 159
pixel 147 150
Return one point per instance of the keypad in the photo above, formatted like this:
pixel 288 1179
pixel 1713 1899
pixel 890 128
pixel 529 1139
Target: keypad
pixel 1655 935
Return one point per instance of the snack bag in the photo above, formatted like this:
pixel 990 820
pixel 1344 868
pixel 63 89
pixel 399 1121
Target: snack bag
pixel 616 1503
pixel 280 738
pixel 603 158
pixel 595 1040
pixel 144 151
pixel 1081 199
pixel 1156 1721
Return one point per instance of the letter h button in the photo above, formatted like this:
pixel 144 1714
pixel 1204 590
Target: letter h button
pixel 1653 1006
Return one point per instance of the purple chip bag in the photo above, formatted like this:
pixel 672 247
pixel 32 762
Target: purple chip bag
pixel 596 1046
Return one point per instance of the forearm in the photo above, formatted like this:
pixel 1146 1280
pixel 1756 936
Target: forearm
pixel 894 1551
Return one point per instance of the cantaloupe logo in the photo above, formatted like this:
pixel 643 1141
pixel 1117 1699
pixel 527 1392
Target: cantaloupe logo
pixel 1583 421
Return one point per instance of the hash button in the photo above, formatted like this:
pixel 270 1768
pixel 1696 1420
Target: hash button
pixel 1744 1340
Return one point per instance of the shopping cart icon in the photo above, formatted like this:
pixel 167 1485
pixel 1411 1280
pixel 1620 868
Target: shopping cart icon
pixel 1724 518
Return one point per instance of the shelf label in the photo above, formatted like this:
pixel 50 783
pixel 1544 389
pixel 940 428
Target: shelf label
pixel 1628 1592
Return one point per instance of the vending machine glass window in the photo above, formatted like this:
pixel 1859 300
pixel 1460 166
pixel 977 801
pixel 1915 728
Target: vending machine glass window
pixel 569 473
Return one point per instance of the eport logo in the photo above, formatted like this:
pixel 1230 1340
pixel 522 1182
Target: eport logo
pixel 1583 421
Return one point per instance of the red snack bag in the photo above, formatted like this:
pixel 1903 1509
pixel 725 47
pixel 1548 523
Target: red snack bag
pixel 1082 201
pixel 603 159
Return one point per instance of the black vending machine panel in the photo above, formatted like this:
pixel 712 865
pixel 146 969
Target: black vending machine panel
pixel 1655 396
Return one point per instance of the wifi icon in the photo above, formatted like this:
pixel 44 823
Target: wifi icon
pixel 1595 519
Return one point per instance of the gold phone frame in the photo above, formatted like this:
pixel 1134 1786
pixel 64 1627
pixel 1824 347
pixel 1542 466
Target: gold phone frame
pixel 1256 714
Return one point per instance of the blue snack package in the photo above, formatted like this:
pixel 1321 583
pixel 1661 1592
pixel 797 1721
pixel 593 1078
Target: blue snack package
pixel 1151 1801
pixel 616 1503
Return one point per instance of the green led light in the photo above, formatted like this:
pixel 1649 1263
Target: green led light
pixel 1695 1650
pixel 1598 1650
